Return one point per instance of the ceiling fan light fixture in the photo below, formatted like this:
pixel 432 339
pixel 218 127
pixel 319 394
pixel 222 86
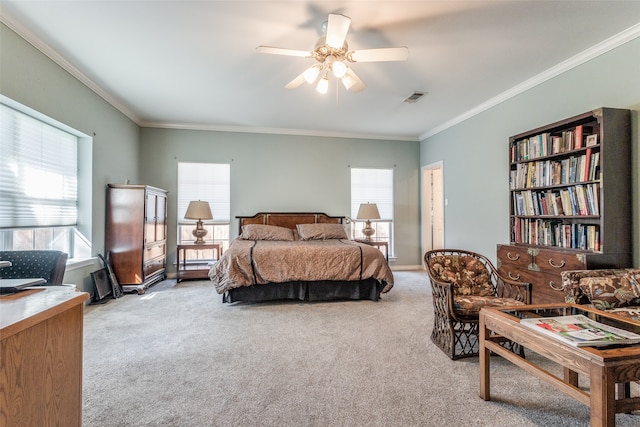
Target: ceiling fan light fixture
pixel 332 55
pixel 323 85
pixel 347 81
pixel 339 69
pixel 311 74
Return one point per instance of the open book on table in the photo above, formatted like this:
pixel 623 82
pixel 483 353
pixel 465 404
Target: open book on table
pixel 580 331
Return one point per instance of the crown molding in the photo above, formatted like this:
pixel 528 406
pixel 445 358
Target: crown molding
pixel 605 46
pixel 275 131
pixel 48 51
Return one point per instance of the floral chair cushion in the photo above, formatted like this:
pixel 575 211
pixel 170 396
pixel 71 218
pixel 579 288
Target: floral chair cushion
pixel 469 275
pixel 581 285
pixel 469 306
pixel 613 291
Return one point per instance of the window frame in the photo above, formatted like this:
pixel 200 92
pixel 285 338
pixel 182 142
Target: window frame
pixel 218 229
pixel 70 237
pixel 385 200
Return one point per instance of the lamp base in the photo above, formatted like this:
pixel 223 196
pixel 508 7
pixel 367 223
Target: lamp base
pixel 199 232
pixel 368 231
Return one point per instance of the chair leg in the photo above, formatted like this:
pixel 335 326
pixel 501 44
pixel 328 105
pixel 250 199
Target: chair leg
pixel 456 339
pixel 467 340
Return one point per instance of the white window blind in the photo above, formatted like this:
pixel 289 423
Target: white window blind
pixel 209 182
pixel 38 172
pixel 372 186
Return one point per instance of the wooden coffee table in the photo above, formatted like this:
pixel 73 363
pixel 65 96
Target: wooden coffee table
pixel 609 369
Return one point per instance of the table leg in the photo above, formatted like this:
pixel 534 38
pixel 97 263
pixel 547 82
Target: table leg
pixel 485 362
pixel 570 376
pixel 623 390
pixel 603 397
pixel 178 265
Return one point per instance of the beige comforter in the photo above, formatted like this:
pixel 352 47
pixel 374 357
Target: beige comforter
pixel 249 262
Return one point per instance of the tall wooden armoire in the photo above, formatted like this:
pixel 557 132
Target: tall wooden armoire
pixel 136 230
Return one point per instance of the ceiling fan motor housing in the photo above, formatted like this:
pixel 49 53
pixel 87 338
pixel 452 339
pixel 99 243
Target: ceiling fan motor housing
pixel 322 50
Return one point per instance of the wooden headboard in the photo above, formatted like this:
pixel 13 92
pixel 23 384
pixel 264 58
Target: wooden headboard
pixel 288 219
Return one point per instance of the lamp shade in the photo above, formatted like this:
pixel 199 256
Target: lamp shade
pixel 198 210
pixel 368 211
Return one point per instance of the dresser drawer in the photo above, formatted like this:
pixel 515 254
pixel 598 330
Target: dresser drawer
pixel 516 257
pixel 520 275
pixel 154 266
pixel 546 288
pixel 153 251
pixel 555 261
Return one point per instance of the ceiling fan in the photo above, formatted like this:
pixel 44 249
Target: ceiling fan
pixel 333 56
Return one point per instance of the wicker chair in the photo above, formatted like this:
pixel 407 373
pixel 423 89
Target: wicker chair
pixel 463 282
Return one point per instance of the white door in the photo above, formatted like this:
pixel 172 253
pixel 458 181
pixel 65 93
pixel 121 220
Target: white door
pixel 432 207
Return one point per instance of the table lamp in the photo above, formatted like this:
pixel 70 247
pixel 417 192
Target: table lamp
pixel 198 210
pixel 368 211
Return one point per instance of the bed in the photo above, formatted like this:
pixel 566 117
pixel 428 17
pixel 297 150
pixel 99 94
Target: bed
pixel 298 256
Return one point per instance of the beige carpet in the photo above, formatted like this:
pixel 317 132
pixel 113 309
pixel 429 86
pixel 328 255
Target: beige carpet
pixel 177 356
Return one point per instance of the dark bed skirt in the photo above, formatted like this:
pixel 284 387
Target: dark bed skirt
pixel 307 291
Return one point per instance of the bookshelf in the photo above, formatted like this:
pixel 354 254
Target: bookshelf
pixel 570 200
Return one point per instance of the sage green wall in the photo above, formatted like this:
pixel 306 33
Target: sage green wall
pixel 32 79
pixel 474 152
pixel 288 173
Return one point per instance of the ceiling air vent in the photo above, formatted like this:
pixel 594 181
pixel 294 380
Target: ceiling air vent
pixel 414 97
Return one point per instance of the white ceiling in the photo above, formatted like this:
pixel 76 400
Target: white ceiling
pixel 192 64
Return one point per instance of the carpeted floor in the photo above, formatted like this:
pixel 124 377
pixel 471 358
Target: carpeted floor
pixel 177 356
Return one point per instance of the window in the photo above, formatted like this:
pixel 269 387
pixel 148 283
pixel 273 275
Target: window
pixel 373 186
pixel 209 182
pixel 38 183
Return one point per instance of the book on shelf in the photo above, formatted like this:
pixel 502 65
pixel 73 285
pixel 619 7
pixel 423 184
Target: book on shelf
pixel 578 137
pixel 580 331
pixel 587 163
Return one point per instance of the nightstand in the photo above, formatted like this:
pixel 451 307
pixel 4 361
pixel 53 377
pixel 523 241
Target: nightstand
pixel 198 269
pixel 378 244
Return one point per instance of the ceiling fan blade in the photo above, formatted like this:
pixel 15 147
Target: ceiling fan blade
pixel 283 51
pixel 296 82
pixel 352 82
pixel 337 28
pixel 383 54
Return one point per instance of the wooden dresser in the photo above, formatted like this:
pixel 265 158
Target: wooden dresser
pixel 542 268
pixel 136 230
pixel 41 357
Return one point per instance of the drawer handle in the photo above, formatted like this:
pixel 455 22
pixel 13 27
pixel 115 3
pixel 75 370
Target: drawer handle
pixel 513 258
pixel 562 263
pixel 556 288
pixel 512 277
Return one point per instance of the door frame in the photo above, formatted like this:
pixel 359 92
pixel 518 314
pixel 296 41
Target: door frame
pixel 432 206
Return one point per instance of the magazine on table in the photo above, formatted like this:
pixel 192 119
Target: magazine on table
pixel 581 331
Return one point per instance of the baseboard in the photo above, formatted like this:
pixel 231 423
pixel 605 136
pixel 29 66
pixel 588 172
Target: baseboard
pixel 406 267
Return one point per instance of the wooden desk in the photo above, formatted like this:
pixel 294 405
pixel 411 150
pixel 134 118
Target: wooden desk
pixel 41 357
pixel 198 269
pixel 608 368
pixel 378 244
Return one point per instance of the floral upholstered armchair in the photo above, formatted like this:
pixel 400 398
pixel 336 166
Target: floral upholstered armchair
pixel 614 290
pixel 463 282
